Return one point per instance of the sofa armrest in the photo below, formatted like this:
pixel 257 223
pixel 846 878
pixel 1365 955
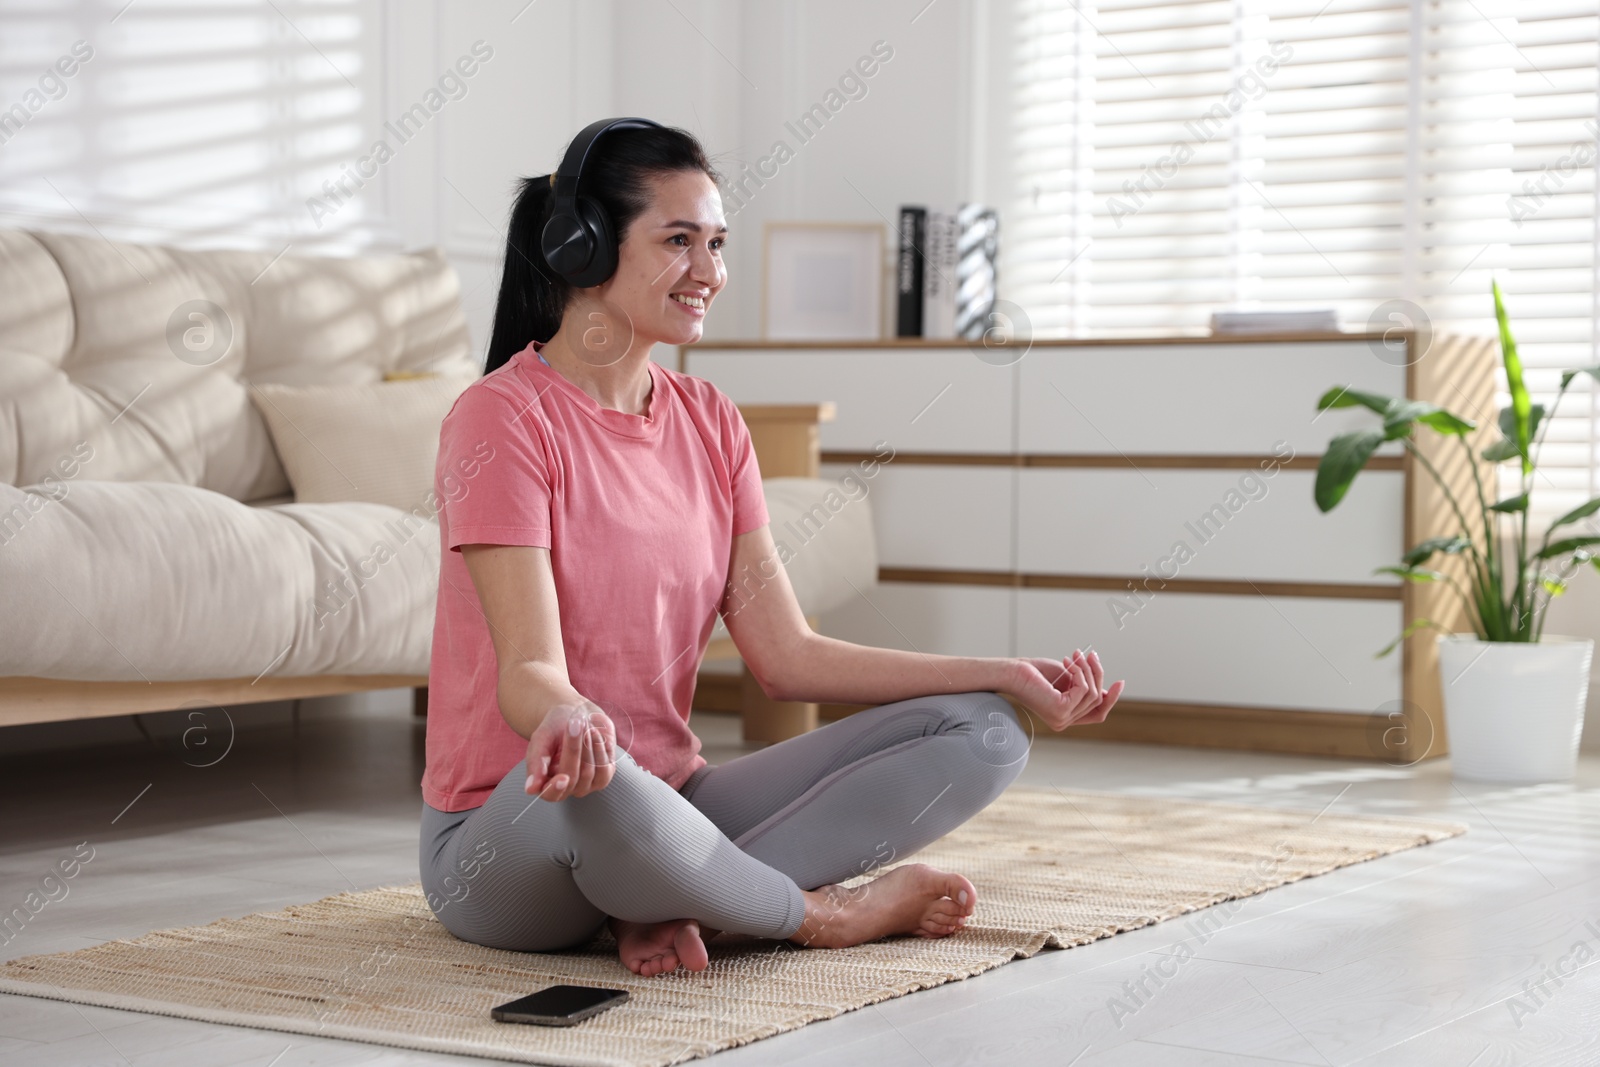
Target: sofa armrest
pixel 786 437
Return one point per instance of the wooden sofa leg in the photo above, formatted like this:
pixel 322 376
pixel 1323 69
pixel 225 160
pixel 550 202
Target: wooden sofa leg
pixel 419 702
pixel 771 720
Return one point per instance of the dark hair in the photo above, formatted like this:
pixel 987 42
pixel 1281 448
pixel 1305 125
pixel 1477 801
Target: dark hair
pixel 532 296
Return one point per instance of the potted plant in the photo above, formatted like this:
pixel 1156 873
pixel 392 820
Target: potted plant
pixel 1514 697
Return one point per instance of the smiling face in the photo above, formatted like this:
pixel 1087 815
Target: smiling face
pixel 672 250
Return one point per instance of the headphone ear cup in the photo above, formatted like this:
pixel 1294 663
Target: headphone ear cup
pixel 580 246
pixel 565 244
pixel 602 260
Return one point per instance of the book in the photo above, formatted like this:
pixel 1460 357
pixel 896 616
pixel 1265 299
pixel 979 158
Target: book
pixel 939 275
pixel 910 270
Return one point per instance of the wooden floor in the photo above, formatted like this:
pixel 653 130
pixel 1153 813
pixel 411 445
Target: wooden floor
pixel 1431 957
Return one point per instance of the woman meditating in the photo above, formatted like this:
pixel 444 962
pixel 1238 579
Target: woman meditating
pixel 599 511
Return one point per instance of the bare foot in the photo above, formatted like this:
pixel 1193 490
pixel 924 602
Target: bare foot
pixel 649 949
pixel 911 899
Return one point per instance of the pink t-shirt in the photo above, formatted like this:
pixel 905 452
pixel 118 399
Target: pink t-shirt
pixel 639 513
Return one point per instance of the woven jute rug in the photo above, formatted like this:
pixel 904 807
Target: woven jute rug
pixel 1052 869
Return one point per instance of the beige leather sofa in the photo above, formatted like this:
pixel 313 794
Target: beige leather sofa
pixel 152 555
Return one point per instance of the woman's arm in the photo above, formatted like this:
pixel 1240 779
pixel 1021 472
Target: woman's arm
pixel 839 671
pixel 571 742
pixel 791 661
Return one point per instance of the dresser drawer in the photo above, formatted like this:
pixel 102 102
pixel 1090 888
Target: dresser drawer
pixel 1222 524
pixel 947 517
pixel 920 400
pixel 1280 652
pixel 952 620
pixel 1208 399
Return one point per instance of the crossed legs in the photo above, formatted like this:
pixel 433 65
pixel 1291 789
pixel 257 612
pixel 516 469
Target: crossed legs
pixel 867 790
pixel 738 846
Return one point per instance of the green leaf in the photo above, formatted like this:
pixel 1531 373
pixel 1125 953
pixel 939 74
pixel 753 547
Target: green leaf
pixel 1342 397
pixel 1570 544
pixel 1582 511
pixel 1343 460
pixel 1447 545
pixel 1446 423
pixel 1501 450
pixel 1428 414
pixel 1568 375
pixel 1398 413
pixel 1521 403
pixel 1409 630
pixel 1394 429
pixel 1412 574
pixel 1515 503
pixel 1508 422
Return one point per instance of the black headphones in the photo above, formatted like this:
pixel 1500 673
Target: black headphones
pixel 578 242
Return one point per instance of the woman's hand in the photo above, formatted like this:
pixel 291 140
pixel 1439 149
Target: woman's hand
pixel 1065 692
pixel 572 752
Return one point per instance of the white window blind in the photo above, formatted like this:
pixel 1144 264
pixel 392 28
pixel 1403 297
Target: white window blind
pixel 1171 159
pixel 206 124
pixel 1551 281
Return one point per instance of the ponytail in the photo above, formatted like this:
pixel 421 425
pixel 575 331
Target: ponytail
pixel 533 298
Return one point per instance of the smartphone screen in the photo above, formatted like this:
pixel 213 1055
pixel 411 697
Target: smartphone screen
pixel 559 1005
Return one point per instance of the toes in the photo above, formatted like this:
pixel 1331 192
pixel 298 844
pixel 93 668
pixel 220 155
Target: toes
pixel 949 913
pixel 659 965
pixel 691 947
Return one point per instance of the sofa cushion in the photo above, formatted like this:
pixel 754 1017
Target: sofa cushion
pixel 109 581
pixel 825 539
pixel 139 354
pixel 374 441
pixel 134 581
pixel 36 405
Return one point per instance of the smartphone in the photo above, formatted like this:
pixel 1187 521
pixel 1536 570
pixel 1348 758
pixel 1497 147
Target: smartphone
pixel 559 1005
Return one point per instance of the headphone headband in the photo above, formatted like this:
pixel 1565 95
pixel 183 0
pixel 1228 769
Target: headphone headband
pixel 567 175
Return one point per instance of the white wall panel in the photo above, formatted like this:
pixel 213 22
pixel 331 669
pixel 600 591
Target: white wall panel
pixel 552 73
pixel 898 137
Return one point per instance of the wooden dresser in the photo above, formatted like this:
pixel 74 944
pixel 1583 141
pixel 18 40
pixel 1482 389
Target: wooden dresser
pixel 1151 499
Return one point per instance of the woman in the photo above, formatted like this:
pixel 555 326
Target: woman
pixel 601 510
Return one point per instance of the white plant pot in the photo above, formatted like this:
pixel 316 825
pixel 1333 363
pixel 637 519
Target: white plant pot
pixel 1514 711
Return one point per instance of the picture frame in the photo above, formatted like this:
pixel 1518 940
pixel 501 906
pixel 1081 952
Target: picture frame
pixel 823 281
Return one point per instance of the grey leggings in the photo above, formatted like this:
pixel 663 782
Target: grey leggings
pixel 736 845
